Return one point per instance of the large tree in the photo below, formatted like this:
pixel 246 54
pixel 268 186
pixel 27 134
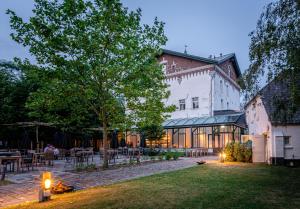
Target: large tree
pixel 14 90
pixel 275 48
pixel 94 57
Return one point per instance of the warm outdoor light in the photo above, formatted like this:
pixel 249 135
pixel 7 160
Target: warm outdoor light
pixel 222 156
pixel 222 126
pixel 47 184
pixel 45 188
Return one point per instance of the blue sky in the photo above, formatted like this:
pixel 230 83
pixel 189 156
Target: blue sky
pixel 206 26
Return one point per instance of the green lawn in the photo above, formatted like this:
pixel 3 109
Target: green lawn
pixel 229 185
pixel 2 183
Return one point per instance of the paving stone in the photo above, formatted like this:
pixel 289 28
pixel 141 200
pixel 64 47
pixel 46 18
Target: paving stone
pixel 26 185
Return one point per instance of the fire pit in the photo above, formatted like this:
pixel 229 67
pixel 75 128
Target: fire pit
pixel 61 188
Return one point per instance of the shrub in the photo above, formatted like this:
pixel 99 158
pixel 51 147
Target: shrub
pixel 229 152
pixel 241 152
pixel 175 155
pixel 153 152
pixel 161 157
pixel 168 155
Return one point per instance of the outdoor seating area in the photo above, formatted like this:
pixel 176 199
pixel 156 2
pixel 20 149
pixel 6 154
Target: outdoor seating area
pixel 16 161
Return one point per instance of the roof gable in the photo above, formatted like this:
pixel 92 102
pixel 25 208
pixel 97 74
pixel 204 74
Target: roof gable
pixel 215 60
pixel 275 97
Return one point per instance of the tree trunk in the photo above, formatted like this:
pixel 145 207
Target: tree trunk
pixel 105 146
pixel 3 172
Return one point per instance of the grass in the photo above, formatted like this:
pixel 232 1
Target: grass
pixel 228 185
pixel 2 183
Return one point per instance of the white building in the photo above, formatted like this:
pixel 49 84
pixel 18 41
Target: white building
pixel 207 99
pixel 199 86
pixel 275 134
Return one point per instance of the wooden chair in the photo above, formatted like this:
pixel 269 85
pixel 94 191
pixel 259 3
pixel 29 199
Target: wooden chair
pixel 49 158
pixel 27 161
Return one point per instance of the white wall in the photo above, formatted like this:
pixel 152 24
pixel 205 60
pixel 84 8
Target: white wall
pixel 199 85
pixel 257 118
pixel 192 85
pixel 259 125
pixel 292 150
pixel 225 91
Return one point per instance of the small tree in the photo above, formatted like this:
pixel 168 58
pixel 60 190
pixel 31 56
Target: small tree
pixel 97 58
pixel 152 133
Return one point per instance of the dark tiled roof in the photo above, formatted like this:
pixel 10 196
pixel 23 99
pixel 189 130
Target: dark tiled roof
pixel 237 119
pixel 225 112
pixel 215 60
pixel 276 100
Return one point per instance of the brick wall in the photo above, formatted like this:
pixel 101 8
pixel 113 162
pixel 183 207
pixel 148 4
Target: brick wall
pixel 225 68
pixel 180 63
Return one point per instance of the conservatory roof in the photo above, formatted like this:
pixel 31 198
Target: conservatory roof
pixel 233 119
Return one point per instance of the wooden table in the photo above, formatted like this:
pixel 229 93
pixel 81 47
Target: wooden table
pixel 14 158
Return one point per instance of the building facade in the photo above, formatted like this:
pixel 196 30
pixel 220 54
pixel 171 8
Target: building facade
pixel 207 99
pixel 199 86
pixel 275 131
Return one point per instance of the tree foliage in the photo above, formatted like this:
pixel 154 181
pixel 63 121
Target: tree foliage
pixel 275 48
pixel 93 57
pixel 14 90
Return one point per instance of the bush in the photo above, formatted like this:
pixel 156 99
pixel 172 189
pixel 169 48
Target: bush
pixel 229 152
pixel 176 155
pixel 168 155
pixel 153 152
pixel 161 156
pixel 236 151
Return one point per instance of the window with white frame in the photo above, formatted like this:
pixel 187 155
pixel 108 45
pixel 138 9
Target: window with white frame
pixel 195 101
pixel 287 140
pixel 222 104
pixel 182 104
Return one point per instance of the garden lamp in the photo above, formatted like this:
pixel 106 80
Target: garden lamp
pixel 45 188
pixel 222 156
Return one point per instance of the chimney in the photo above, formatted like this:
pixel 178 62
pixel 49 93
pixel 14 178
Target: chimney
pixel 221 54
pixel 210 56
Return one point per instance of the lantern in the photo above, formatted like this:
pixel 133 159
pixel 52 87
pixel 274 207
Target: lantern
pixel 45 188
